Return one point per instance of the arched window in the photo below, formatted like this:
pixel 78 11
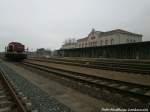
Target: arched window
pixel 127 40
pixel 82 44
pixel 89 43
pixel 101 42
pixel 112 41
pixel 93 37
pixel 95 43
pixel 85 44
pixel 79 45
pixel 106 42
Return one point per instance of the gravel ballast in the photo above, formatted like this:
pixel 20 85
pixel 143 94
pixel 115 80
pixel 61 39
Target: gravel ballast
pixel 40 100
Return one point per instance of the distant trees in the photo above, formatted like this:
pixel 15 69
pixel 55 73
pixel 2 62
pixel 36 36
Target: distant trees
pixel 70 41
pixel 44 52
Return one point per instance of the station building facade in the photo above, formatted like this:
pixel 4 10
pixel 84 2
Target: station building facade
pixel 99 38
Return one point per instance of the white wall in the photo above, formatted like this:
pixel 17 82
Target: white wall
pixel 117 39
pixel 130 38
pixel 108 38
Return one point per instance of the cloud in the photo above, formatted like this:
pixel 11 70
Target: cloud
pixel 47 23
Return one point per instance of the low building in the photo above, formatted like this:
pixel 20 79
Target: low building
pixel 99 38
pixel 42 52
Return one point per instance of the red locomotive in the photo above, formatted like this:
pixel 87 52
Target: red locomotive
pixel 15 51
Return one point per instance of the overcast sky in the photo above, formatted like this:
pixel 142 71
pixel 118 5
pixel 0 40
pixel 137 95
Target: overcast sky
pixel 47 23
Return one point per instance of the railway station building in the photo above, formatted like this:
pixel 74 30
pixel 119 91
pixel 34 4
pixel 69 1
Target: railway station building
pixel 99 38
pixel 116 44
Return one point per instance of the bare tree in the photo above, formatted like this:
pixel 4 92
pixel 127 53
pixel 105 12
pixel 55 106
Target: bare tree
pixel 70 41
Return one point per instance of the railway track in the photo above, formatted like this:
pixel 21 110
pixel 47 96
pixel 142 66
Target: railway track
pixel 105 59
pixel 130 94
pixel 125 66
pixel 10 99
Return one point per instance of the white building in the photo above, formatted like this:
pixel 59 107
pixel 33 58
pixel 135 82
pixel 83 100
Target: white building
pixel 98 38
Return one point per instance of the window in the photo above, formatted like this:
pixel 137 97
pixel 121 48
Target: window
pixel 106 42
pixel 93 37
pixel 79 45
pixel 112 41
pixel 95 43
pixel 127 40
pixel 101 42
pixel 85 44
pixel 82 44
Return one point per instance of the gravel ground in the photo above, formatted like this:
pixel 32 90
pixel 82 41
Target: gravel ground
pixel 40 100
pixel 122 76
pixel 75 100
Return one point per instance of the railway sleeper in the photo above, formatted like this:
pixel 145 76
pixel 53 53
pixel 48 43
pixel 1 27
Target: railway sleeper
pixel 107 65
pixel 6 103
pixel 69 75
pixel 6 109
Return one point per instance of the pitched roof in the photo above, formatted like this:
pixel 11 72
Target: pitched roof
pixel 121 32
pixel 82 39
pixel 116 31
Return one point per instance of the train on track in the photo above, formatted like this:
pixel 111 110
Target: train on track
pixel 15 51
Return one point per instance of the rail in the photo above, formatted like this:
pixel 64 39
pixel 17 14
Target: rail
pixel 14 96
pixel 106 65
pixel 98 82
